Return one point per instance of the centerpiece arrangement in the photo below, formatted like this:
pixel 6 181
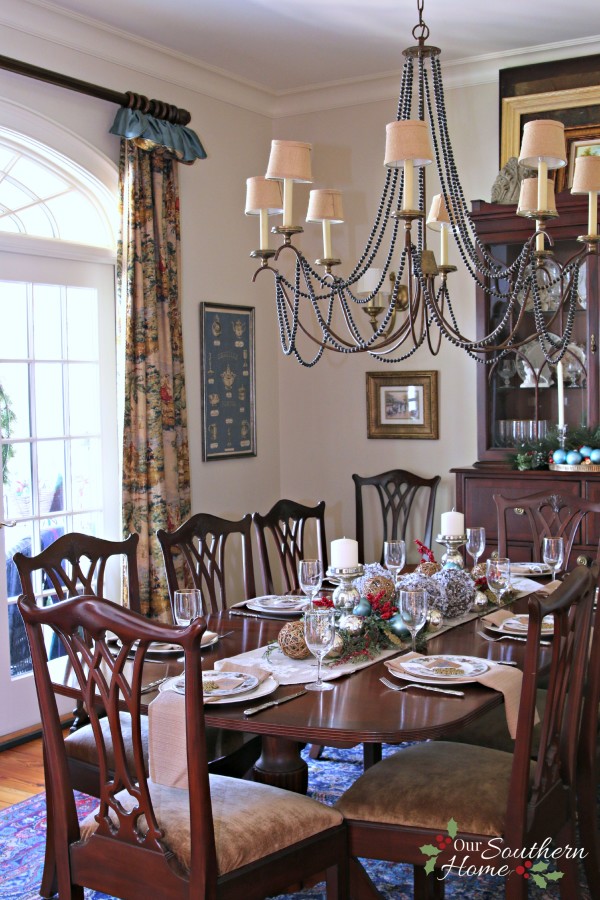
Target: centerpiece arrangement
pixel 578 447
pixel 375 623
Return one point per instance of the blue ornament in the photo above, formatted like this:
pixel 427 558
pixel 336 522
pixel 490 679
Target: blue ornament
pixel 559 457
pixel 573 458
pixel 585 451
pixel 362 608
pixel 397 626
pixel 595 456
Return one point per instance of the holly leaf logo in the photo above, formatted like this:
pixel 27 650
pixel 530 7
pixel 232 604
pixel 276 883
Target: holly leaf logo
pixel 452 828
pixel 554 876
pixel 429 866
pixel 429 850
pixel 539 880
pixel 539 867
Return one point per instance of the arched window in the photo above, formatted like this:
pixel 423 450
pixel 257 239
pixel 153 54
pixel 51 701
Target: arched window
pixel 58 396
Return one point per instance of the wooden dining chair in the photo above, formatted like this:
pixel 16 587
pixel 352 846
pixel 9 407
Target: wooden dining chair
pixel 406 804
pixel 200 553
pixel 397 491
pixel 286 523
pixel 217 838
pixel 543 514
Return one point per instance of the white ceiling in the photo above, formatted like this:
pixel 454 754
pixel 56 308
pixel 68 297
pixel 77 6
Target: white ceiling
pixel 287 45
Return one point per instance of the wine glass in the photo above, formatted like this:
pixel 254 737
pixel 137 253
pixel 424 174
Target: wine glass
pixel 475 543
pixel 310 576
pixel 319 634
pixel 413 609
pixel 498 576
pixel 553 553
pixel 394 557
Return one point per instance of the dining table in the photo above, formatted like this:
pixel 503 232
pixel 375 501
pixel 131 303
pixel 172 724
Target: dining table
pixel 359 709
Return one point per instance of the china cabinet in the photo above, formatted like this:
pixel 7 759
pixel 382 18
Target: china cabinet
pixel 517 396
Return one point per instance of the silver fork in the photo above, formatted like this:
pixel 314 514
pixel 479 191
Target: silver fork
pixel 423 687
pixel 509 637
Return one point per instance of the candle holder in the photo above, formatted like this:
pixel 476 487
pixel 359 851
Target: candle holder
pixel 346 595
pixel 452 559
pixel 562 436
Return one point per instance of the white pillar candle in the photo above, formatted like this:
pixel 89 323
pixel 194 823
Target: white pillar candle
pixel 539 238
pixel 453 523
pixel 409 184
pixel 593 213
pixel 264 229
pixel 288 189
pixel 344 554
pixel 327 239
pixel 561 394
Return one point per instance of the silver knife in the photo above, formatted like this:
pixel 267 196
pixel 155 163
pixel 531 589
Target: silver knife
pixel 255 709
pixel 247 615
pixel 429 687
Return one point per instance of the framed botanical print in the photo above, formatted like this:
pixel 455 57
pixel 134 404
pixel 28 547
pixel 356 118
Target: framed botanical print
pixel 227 374
pixel 402 405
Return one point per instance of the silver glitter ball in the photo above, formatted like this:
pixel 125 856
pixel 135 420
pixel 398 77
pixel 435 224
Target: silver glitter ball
pixel 434 619
pixel 351 624
pixel 480 602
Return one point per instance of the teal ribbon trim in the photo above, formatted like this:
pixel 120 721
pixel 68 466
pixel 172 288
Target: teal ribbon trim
pixel 149 132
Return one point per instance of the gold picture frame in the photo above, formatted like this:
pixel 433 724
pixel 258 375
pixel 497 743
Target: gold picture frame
pixel 402 405
pixel 550 101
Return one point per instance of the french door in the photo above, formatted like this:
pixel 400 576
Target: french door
pixel 58 434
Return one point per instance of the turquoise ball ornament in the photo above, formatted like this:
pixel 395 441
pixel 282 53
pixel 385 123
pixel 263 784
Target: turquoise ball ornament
pixel 585 451
pixel 397 626
pixel 595 457
pixel 573 458
pixel 362 608
pixel 559 457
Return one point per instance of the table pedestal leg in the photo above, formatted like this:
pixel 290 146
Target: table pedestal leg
pixel 281 765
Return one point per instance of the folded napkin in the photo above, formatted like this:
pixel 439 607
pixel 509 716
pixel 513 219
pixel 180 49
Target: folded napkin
pixel 505 679
pixel 167 755
pixel 232 665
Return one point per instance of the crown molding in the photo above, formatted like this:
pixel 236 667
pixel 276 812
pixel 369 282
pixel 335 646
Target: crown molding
pixel 63 30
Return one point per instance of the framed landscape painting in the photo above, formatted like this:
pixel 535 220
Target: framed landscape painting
pixel 227 381
pixel 402 405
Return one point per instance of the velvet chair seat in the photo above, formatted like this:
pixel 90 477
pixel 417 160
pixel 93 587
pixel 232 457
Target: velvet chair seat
pixel 248 817
pixel 426 785
pixel 491 730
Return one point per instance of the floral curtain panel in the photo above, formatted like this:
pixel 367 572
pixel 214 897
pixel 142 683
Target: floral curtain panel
pixel 156 478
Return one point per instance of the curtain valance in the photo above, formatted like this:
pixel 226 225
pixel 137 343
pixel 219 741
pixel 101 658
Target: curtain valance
pixel 148 132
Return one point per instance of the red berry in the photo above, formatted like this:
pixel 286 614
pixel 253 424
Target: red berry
pixel 439 838
pixel 528 864
pixel 520 870
pixel 526 875
pixel 448 840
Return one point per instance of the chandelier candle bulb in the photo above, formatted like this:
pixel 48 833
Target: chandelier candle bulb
pixel 263 198
pixel 408 200
pixel 325 206
pixel 344 554
pixel 586 180
pixel 288 202
pixel 452 523
pixel 542 185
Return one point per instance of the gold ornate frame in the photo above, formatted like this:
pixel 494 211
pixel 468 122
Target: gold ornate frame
pixel 514 107
pixel 402 405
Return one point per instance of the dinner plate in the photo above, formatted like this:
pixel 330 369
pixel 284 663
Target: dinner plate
pixel 226 684
pixel 279 606
pixel 158 649
pixel 265 688
pixel 520 623
pixel 530 569
pixel 532 361
pixel 442 669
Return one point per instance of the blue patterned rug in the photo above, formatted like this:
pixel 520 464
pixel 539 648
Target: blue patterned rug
pixel 22 837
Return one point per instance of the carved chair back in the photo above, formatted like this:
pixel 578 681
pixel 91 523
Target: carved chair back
pixel 541 515
pixel 286 523
pixel 200 552
pixel 397 490
pixel 76 563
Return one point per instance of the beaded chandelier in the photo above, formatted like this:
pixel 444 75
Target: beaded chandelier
pixel 411 290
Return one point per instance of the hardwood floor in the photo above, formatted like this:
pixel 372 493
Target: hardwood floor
pixel 21 773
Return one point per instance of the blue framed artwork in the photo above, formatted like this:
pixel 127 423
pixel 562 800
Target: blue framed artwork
pixel 227 373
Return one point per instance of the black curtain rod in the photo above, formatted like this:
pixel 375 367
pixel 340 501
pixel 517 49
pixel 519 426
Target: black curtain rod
pixel 155 108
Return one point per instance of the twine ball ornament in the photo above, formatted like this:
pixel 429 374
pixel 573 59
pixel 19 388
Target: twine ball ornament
pixel 379 584
pixel 291 641
pixel 428 568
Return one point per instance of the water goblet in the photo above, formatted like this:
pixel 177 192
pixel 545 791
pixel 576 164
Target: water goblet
pixel 394 557
pixel 319 634
pixel 498 576
pixel 475 543
pixel 187 606
pixel 413 610
pixel 310 576
pixel 553 553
